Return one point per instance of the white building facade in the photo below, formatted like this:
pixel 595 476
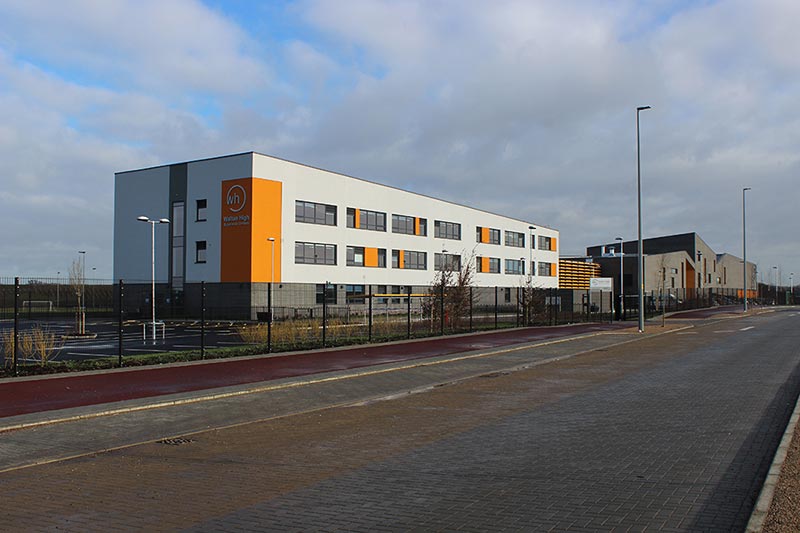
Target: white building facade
pixel 251 218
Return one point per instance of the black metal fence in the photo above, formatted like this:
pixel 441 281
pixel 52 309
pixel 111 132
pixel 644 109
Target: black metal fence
pixel 262 317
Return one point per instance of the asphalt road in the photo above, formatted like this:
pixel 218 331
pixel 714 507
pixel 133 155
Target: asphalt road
pixel 665 433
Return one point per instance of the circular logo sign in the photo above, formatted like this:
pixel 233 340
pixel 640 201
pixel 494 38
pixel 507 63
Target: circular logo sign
pixel 236 198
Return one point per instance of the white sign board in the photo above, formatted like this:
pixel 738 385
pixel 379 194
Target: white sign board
pixel 604 284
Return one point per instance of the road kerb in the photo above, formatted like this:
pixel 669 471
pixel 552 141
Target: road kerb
pixel 761 508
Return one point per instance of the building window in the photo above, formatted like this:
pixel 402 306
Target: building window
pixel 200 251
pixel 451 262
pixel 487 235
pixel 399 289
pixel 178 244
pixel 488 265
pixel 507 295
pixel 321 296
pixel 545 269
pixel 313 213
pixel 200 215
pixel 515 266
pixel 354 294
pixel 447 230
pixel 355 256
pixel 546 243
pixel 365 219
pixel 310 253
pixel 382 290
pixel 409 225
pixel 368 257
pixel 516 239
pixel 408 260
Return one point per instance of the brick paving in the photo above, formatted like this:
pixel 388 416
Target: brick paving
pixel 672 434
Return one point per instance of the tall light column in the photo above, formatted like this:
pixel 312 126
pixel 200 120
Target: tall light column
pixel 153 263
pixel 530 254
pixel 775 269
pixel 744 247
pixel 82 319
pixel 621 277
pixel 639 203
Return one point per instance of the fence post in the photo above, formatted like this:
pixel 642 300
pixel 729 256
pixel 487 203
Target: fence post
pixel 324 313
pixel 441 309
pixel 203 320
pixel 470 308
pixel 525 314
pixel 369 327
pixel 408 305
pixel 16 325
pixel 269 317
pixel 120 319
pixel 495 307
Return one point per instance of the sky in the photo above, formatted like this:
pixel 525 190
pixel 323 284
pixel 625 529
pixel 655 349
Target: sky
pixel 524 108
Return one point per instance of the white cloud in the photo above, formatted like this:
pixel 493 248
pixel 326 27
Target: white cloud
pixel 170 46
pixel 524 108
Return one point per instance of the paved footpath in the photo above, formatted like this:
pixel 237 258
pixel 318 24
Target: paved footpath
pixel 667 433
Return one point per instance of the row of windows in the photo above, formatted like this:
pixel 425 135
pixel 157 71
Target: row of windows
pixel 356 294
pixel 325 254
pixel 325 214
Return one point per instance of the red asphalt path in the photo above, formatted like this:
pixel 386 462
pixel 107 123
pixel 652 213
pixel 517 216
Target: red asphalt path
pixel 61 392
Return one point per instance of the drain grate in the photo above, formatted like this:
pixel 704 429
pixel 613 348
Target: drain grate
pixel 177 441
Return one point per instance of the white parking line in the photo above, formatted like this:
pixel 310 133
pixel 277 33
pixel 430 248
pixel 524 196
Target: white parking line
pixel 687 333
pixel 748 327
pixel 724 331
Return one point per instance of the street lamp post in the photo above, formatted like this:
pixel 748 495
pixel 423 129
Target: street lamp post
pixel 58 289
pixel 82 318
pixel 153 263
pixel 791 285
pixel 775 301
pixel 744 248
pixel 530 253
pixel 639 203
pixel 621 277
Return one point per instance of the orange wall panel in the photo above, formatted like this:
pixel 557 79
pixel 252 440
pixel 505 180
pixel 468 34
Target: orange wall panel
pixel 251 213
pixel 266 223
pixel 416 225
pixel 371 257
pixel 401 259
pixel 236 233
pixel 484 264
pixel 553 244
pixel 484 234
pixel 357 221
pixel 553 269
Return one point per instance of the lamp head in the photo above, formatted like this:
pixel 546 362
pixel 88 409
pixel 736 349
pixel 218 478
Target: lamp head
pixel 642 108
pixel 143 219
pixel 163 221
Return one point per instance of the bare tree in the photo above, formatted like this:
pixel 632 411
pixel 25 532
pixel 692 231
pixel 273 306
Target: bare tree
pixel 534 301
pixel 451 291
